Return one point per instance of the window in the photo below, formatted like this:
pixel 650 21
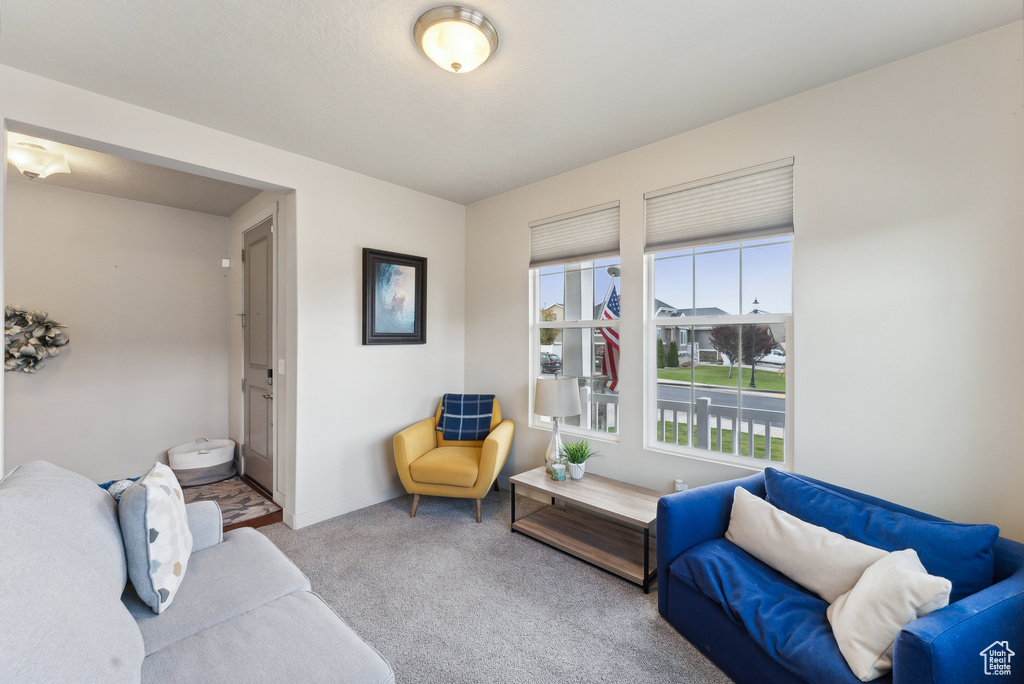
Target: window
pixel 720 312
pixel 575 311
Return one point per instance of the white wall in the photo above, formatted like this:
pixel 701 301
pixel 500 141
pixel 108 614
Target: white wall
pixel 346 400
pixel 144 297
pixel 909 209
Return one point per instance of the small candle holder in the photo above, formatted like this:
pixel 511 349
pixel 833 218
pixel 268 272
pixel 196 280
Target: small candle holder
pixel 558 472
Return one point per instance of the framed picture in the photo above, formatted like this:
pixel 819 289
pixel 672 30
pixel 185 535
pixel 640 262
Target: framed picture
pixel 394 298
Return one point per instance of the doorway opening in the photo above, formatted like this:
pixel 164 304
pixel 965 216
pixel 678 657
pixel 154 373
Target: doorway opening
pixel 141 258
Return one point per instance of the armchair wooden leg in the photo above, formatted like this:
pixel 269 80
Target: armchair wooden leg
pixel 478 501
pixel 415 503
pixel 496 486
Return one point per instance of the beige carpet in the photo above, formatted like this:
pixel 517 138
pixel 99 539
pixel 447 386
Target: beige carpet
pixel 238 501
pixel 449 601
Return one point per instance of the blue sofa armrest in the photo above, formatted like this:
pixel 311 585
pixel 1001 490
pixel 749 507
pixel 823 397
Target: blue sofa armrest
pixel 205 524
pixel 693 517
pixel 946 646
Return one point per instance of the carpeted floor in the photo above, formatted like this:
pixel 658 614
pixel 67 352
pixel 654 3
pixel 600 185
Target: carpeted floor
pixel 451 601
pixel 238 501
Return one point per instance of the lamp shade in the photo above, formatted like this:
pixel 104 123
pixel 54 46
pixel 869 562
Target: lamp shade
pixel 557 397
pixel 457 39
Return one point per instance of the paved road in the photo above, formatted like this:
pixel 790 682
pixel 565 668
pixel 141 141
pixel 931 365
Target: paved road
pixel 757 400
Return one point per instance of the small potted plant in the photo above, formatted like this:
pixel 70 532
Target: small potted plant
pixel 576 455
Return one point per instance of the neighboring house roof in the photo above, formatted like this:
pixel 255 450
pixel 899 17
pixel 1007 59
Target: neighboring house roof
pixel 664 309
pixel 705 311
pixel 661 308
pixel 658 305
pixel 557 310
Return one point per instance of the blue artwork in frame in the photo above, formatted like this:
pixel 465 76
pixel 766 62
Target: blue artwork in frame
pixel 394 298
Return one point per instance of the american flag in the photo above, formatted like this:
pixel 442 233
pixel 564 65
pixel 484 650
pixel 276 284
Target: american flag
pixel 610 362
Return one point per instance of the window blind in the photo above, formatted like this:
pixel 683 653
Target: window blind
pixel 743 204
pixel 586 234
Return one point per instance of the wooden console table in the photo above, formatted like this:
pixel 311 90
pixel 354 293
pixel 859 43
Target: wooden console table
pixel 623 548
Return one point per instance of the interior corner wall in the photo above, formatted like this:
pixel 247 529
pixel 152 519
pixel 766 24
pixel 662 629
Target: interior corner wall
pixel 345 401
pixel 142 292
pixel 906 280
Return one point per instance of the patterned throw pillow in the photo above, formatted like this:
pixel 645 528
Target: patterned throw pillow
pixel 157 540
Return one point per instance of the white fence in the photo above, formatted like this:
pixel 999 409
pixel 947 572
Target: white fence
pixel 602 415
pixel 770 424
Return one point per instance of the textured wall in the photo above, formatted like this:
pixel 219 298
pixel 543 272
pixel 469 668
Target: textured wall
pixel 343 402
pixel 906 280
pixel 144 297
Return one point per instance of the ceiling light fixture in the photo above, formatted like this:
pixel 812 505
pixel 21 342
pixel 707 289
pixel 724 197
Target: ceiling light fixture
pixel 456 38
pixel 35 161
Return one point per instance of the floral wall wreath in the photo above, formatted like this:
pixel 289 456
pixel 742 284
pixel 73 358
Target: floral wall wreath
pixel 31 337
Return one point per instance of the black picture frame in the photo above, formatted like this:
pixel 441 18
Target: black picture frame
pixel 388 278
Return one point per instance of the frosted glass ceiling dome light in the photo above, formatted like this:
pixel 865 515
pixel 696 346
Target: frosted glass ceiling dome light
pixel 35 161
pixel 455 38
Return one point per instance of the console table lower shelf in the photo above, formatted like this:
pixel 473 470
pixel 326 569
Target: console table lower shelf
pixel 624 551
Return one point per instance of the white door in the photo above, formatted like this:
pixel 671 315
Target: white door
pixel 258 319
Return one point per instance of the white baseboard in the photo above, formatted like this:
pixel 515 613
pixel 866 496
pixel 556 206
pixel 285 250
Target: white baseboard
pixel 301 520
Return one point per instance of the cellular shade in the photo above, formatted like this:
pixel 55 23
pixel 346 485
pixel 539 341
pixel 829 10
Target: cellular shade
pixel 744 204
pixel 581 235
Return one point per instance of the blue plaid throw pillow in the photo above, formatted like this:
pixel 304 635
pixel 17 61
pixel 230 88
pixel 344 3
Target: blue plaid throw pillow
pixel 466 416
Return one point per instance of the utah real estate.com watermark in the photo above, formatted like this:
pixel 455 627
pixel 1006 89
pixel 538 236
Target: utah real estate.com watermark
pixel 997 658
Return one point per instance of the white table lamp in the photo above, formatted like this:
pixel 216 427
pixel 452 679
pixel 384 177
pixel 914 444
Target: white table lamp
pixel 556 398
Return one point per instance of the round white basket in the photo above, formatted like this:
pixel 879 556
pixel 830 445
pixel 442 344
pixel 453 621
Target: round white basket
pixel 201 454
pixel 202 461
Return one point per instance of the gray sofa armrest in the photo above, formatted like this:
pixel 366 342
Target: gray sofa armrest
pixel 205 524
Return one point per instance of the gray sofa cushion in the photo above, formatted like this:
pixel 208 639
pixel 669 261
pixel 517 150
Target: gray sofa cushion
pixel 244 571
pixel 73 509
pixel 59 622
pixel 206 523
pixel 296 638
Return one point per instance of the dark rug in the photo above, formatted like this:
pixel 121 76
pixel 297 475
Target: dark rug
pixel 238 501
pixel 448 600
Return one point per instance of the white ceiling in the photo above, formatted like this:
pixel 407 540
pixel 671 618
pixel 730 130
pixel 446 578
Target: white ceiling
pixel 572 82
pixel 106 174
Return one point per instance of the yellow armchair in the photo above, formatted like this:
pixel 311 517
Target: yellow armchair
pixel 431 465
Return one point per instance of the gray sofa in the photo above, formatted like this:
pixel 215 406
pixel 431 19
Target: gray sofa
pixel 243 612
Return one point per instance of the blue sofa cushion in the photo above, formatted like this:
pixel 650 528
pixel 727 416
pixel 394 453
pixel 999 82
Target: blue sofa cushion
pixel 786 621
pixel 960 553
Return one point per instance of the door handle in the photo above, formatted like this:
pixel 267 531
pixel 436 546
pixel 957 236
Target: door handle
pixel 268 396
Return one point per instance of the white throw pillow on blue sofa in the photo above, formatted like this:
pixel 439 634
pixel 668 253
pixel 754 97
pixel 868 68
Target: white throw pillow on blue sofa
pixel 962 553
pixel 890 594
pixel 827 563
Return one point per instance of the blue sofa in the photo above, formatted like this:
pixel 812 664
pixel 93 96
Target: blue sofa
pixel 758 626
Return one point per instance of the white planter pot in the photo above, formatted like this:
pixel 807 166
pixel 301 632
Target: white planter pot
pixel 576 470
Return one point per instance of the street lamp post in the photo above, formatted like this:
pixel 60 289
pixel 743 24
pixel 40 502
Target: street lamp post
pixel 753 348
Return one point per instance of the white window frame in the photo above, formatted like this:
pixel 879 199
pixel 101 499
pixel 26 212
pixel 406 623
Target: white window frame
pixel 650 412
pixel 536 325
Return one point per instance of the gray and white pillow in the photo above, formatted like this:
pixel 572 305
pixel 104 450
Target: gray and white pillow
pixel 157 539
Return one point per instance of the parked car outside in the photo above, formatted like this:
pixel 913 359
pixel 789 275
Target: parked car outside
pixel 776 357
pixel 550 363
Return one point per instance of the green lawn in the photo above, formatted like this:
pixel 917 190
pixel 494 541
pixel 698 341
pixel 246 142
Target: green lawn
pixel 778 452
pixel 766 378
